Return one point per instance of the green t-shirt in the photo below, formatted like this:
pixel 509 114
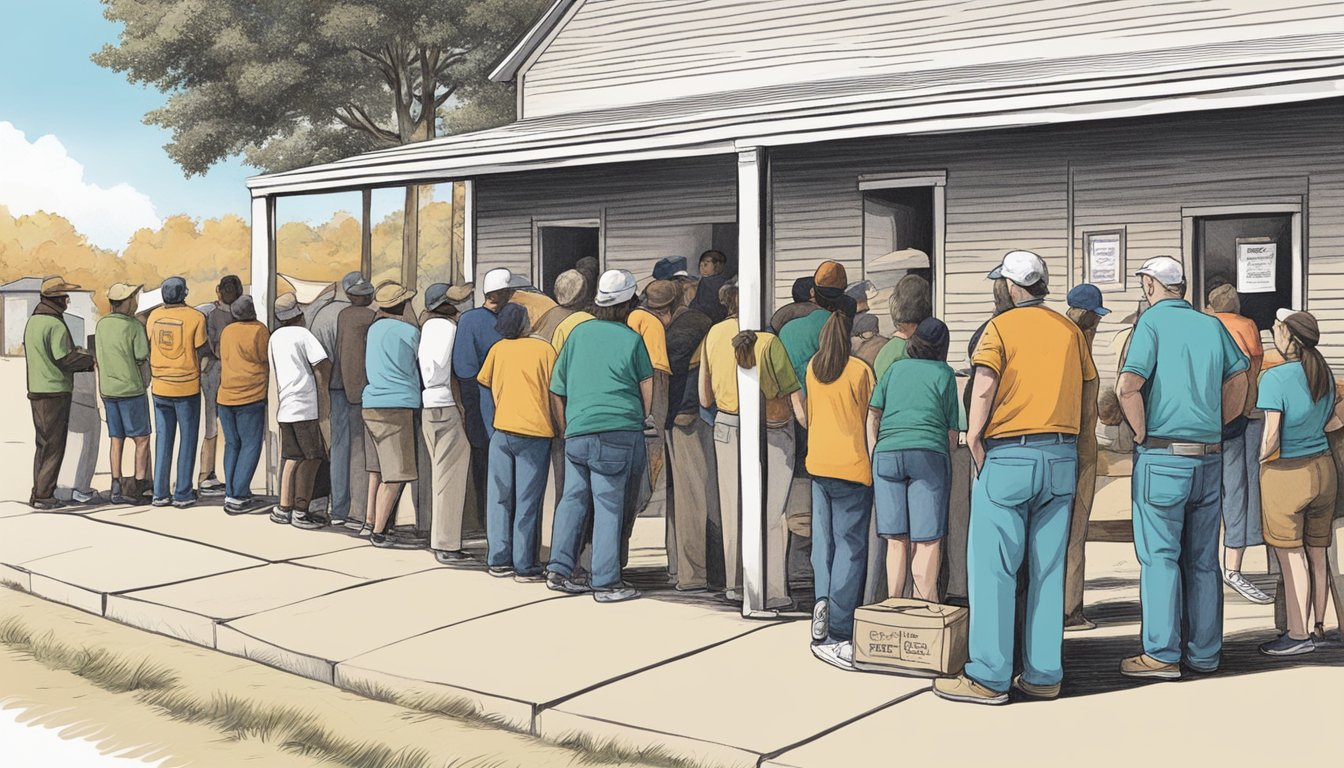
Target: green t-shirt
pixel 918 400
pixel 120 346
pixel 891 352
pixel 46 339
pixel 801 339
pixel 598 373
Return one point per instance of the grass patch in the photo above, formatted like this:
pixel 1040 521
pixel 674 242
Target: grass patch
pixel 455 707
pixel 612 752
pixel 103 669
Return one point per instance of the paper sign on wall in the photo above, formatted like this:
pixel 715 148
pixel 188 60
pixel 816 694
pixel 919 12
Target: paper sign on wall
pixel 1257 267
pixel 1105 252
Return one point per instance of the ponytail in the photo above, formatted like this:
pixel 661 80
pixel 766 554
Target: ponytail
pixel 1320 380
pixel 744 349
pixel 833 353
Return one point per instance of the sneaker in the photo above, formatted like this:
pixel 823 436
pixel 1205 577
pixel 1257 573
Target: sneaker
pixel 1144 666
pixel 732 596
pixel 839 654
pixel 1245 588
pixel 211 484
pixel 46 504
pixel 240 506
pixel 692 589
pixel 819 619
pixel 184 503
pixel 618 595
pixel 452 557
pixel 557 583
pixel 307 522
pixel 1287 646
pixel 1036 691
pixel 366 530
pixel 115 495
pixel 967 691
pixel 1079 624
pixel 1321 639
pixel 82 497
pixel 164 502
pixel 500 571
pixel 384 541
pixel 280 516
pixel 529 578
pixel 354 525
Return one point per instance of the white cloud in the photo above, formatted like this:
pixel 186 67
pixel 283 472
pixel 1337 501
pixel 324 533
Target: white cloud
pixel 41 176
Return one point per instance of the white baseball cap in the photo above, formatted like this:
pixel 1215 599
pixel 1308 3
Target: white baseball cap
pixel 497 280
pixel 1021 267
pixel 1164 270
pixel 614 287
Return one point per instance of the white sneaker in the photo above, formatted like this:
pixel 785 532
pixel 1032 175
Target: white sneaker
pixel 819 621
pixel 1245 588
pixel 83 497
pixel 839 655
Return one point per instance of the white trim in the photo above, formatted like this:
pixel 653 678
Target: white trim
pixel 263 269
pixel 537 256
pixel 1188 216
pixel 521 56
pixel 902 180
pixel 469 234
pixel 751 213
pixel 939 255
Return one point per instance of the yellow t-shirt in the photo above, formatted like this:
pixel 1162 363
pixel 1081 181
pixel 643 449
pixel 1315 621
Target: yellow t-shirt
pixel 244 363
pixel 777 378
pixel 518 374
pixel 837 443
pixel 1042 361
pixel 175 333
pixel 716 355
pixel 566 327
pixel 651 329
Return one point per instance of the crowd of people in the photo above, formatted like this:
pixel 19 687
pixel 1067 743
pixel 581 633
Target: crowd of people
pixel 610 382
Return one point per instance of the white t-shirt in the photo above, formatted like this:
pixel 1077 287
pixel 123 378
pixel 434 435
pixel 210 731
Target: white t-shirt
pixel 294 352
pixel 436 361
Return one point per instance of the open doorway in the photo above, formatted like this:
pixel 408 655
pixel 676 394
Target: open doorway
pixel 1256 252
pixel 560 245
pixel 899 239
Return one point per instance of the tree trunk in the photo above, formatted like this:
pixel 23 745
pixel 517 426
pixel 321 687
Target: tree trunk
pixel 454 253
pixel 410 237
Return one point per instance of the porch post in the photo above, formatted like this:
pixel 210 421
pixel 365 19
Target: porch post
pixel 469 238
pixel 751 270
pixel 262 277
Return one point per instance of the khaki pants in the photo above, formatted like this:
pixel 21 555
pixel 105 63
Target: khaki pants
pixel 726 458
pixel 694 473
pixel 779 459
pixel 450 462
pixel 1074 560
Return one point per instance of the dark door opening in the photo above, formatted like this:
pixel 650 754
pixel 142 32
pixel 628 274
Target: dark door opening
pixel 898 240
pixel 561 247
pixel 1253 253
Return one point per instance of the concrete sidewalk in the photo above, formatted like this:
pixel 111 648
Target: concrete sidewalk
pixel 687 675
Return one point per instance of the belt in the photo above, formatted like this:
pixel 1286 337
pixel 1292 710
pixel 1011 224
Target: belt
pixel 1040 438
pixel 1179 448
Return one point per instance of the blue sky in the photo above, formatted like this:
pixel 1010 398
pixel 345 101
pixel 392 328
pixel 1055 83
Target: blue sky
pixel 52 88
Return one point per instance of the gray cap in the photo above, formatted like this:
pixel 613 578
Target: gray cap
pixel 287 307
pixel 243 308
pixel 435 295
pixel 359 287
pixel 174 290
pixel 350 279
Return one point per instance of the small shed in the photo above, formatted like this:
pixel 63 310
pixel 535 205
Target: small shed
pixel 20 299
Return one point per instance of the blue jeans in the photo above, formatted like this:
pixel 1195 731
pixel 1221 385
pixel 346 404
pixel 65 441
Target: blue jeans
pixel 1177 501
pixel 1020 507
pixel 518 467
pixel 340 456
pixel 176 415
pixel 244 428
pixel 1241 488
pixel 840 517
pixel 597 468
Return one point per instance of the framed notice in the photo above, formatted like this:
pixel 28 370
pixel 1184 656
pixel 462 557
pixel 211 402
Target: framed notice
pixel 1105 259
pixel 1257 265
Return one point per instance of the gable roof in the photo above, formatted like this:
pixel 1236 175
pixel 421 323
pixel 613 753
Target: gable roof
pixel 24 285
pixel 513 61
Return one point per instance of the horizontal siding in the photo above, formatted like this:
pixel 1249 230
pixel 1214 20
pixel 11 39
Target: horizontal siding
pixel 617 52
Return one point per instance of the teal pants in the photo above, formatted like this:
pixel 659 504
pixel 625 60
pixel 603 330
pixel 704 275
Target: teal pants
pixel 1020 514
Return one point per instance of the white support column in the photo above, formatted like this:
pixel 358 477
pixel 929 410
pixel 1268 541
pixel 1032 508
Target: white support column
pixel 469 237
pixel 751 271
pixel 263 295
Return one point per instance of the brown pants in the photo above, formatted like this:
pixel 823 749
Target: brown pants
pixel 51 424
pixel 1075 560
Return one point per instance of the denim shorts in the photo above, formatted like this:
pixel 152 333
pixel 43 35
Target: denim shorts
pixel 911 489
pixel 127 416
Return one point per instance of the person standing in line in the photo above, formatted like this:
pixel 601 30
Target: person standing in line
pixel 912 431
pixel 569 292
pixel 121 348
pixel 1026 411
pixel 302 374
pixel 911 304
pixel 839 388
pixel 177 340
pixel 801 306
pixel 326 328
pixel 801 338
pixel 517 371
pixel 1298 476
pixel 475 335
pixel 650 320
pixel 1241 440
pixel 602 392
pixel 352 331
pixel 1086 311
pixel 1184 379
pixel 245 371
pixel 692 472
pixel 217 316
pixel 441 420
pixel 52 360
pixel 391 399
pixel 713 276
pixel 530 298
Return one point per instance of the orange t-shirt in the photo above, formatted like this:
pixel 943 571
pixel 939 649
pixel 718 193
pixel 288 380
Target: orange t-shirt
pixel 1247 336
pixel 175 333
pixel 837 440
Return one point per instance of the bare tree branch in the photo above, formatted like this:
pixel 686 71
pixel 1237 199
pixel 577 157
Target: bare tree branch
pixel 354 116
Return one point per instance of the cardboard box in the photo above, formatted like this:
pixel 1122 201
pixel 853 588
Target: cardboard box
pixel 908 636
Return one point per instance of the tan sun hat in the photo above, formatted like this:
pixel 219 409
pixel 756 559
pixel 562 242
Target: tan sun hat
pixel 122 291
pixel 391 293
pixel 459 293
pixel 56 286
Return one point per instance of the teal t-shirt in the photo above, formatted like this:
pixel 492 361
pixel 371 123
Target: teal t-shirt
pixel 391 365
pixel 1283 388
pixel 889 353
pixel 801 339
pixel 919 404
pixel 1184 357
pixel 46 339
pixel 598 373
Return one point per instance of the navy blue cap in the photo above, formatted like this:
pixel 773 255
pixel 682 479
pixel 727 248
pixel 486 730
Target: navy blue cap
pixel 669 267
pixel 174 290
pixel 1087 296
